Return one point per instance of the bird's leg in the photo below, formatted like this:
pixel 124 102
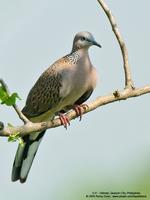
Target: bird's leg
pixel 64 120
pixel 79 110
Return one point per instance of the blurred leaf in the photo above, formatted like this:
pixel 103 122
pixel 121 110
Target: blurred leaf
pixel 16 137
pixel 3 95
pixel 13 137
pixel 11 100
pixel 7 99
pixel 10 125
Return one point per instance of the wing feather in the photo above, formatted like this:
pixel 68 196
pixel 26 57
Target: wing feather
pixel 45 94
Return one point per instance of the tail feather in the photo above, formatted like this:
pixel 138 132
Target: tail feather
pixel 17 163
pixel 25 156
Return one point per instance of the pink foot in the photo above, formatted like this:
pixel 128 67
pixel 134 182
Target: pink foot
pixel 79 110
pixel 64 120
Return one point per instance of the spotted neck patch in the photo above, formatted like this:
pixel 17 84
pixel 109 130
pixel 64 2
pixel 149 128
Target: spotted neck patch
pixel 73 57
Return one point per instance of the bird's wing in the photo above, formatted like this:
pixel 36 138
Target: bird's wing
pixel 45 94
pixel 84 97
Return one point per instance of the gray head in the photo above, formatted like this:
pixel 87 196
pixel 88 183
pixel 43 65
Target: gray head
pixel 83 40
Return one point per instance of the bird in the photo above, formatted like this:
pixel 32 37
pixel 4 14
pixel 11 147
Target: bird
pixel 67 83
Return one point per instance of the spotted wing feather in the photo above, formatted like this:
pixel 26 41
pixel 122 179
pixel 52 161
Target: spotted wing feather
pixel 45 94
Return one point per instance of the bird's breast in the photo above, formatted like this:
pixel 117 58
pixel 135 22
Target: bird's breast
pixel 75 82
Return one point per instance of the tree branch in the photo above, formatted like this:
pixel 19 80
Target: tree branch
pixel 127 71
pixel 30 127
pixel 117 95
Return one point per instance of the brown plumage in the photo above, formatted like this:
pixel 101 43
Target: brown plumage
pixel 69 81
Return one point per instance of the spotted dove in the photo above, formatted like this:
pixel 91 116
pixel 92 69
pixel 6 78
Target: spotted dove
pixel 68 82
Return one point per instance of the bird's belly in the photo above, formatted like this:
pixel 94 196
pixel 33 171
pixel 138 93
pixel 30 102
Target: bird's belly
pixel 82 82
pixel 73 96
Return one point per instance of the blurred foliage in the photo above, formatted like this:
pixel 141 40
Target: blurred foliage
pixel 10 100
pixel 7 99
pixel 16 137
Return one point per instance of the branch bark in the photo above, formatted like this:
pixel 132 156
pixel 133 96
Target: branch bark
pixel 30 127
pixel 127 71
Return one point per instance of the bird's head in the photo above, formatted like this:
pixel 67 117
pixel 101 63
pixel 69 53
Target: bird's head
pixel 83 40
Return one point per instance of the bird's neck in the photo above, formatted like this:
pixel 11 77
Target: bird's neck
pixel 80 52
pixel 80 55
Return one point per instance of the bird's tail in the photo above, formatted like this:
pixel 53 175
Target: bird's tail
pixel 24 157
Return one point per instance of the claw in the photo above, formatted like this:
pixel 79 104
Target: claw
pixel 79 111
pixel 64 120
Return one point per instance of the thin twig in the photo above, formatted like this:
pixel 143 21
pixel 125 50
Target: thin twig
pixel 4 85
pixel 29 128
pixel 20 114
pixel 18 111
pixel 127 71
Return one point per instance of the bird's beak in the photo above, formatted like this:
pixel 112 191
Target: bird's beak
pixel 96 44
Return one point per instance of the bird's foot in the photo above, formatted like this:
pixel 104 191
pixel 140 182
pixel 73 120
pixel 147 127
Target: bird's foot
pixel 79 110
pixel 64 120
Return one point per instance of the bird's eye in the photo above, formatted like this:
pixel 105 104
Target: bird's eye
pixel 83 38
